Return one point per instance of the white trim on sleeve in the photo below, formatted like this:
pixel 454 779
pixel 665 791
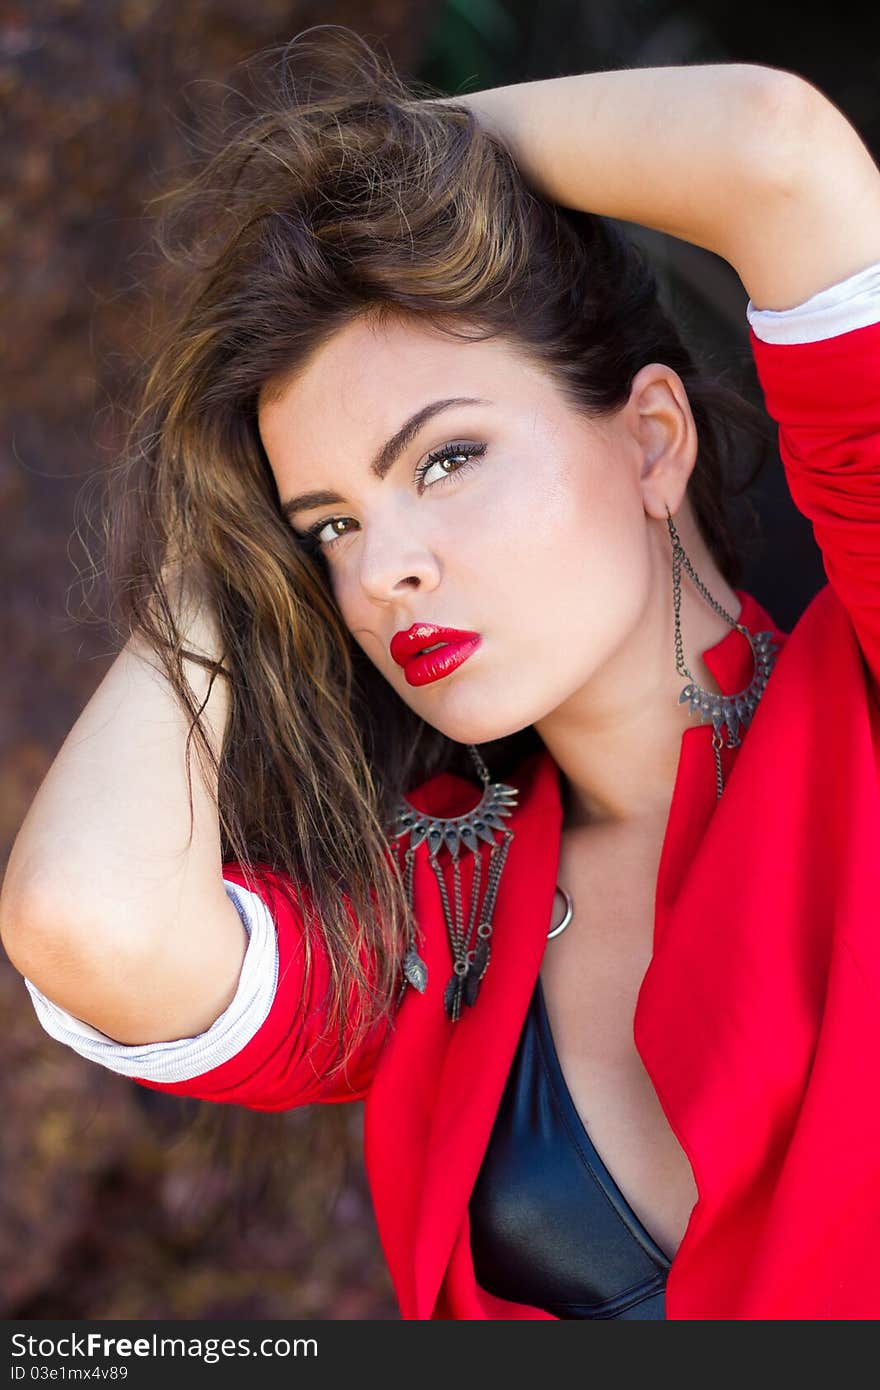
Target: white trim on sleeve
pixel 852 303
pixel 185 1058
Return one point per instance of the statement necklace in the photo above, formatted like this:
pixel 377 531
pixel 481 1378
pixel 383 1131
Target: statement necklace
pixel 455 836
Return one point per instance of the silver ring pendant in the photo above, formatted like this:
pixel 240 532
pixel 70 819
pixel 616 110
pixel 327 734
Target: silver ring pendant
pixel 568 914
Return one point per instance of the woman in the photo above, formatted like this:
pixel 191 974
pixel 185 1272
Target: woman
pixel 609 1009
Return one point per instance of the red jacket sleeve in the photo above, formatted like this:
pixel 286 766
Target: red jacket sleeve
pixel 825 397
pixel 286 1063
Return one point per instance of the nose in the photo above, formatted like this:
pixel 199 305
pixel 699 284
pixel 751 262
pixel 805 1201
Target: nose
pixel 396 561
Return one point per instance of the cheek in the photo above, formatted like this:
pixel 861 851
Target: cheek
pixel 351 603
pixel 565 533
pixel 364 621
pixel 565 574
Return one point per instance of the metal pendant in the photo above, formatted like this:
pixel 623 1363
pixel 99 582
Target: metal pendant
pixel 497 801
pixel 476 970
pixel 735 710
pixel 459 835
pixel 732 711
pixel 415 970
pixel 452 996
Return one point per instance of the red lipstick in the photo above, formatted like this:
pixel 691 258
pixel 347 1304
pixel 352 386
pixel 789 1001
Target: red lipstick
pixel 419 667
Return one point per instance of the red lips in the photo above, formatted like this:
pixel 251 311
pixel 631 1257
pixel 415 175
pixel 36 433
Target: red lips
pixel 407 649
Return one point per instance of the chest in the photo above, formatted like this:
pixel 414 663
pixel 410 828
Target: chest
pixel 591 975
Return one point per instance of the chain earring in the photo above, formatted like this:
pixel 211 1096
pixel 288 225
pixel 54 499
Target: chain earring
pixel 729 711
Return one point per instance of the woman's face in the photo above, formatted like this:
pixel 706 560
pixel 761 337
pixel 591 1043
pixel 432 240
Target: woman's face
pixel 508 515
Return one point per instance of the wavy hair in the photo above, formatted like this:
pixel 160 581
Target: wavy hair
pixel 341 191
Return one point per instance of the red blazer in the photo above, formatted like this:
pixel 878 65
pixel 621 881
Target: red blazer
pixel 758 1020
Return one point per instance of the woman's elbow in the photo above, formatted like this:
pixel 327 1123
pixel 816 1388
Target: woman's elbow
pixel 788 117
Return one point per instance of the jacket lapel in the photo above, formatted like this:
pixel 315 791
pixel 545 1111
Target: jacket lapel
pixel 480 1045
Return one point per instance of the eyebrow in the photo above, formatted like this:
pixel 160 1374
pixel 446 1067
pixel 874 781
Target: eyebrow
pixel 387 455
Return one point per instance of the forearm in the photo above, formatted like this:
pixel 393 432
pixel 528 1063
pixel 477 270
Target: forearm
pixel 105 841
pixel 673 148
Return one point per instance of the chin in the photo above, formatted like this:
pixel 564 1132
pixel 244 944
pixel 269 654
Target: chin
pixel 483 726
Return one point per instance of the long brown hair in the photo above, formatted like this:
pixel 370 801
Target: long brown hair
pixel 340 192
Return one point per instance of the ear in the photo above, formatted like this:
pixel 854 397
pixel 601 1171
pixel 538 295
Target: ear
pixel 660 420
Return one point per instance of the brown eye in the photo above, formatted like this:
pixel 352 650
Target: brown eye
pixel 465 456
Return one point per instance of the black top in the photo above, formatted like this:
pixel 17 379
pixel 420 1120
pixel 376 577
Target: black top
pixel 549 1226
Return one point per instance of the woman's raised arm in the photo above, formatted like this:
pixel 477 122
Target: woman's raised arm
pixel 751 162
pixel 107 906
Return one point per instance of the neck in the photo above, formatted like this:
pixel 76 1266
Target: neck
pixel 617 740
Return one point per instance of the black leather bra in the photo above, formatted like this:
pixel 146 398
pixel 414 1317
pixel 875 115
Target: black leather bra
pixel 549 1226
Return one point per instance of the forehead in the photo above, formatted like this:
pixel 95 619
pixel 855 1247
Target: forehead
pixel 369 375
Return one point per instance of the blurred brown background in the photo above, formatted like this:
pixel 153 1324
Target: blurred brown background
pixel 116 1202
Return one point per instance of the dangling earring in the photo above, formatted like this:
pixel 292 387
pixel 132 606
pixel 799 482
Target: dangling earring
pixel 732 711
pixel 470 953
